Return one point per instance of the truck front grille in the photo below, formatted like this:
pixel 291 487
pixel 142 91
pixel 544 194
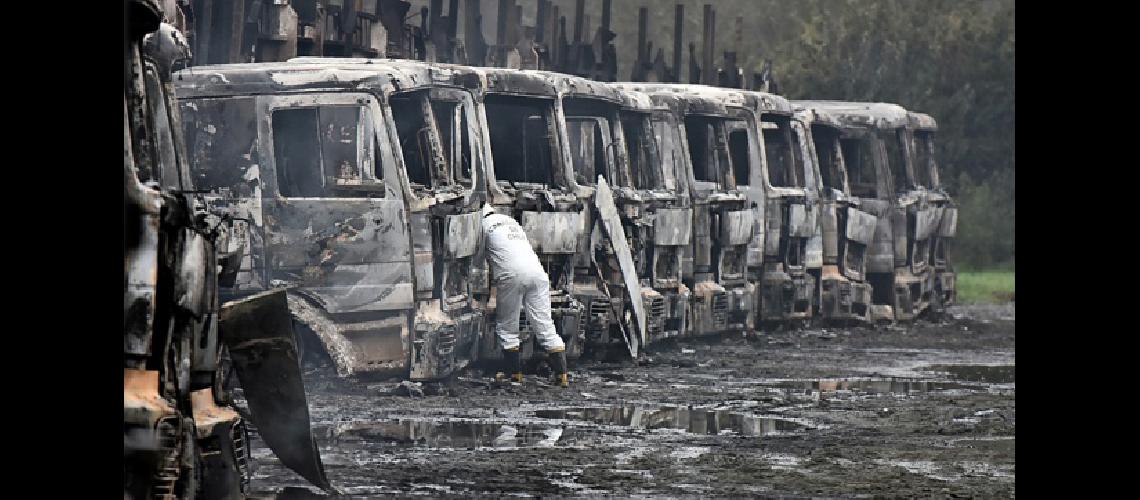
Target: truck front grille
pixel 655 307
pixel 720 309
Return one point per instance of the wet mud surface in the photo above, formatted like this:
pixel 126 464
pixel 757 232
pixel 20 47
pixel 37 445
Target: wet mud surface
pixel 922 410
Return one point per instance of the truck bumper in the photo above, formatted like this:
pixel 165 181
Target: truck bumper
pixel 785 297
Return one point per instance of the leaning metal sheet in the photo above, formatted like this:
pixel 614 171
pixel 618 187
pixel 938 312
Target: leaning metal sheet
pixel 604 200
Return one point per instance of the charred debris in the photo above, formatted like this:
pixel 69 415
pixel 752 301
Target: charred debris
pixel 330 161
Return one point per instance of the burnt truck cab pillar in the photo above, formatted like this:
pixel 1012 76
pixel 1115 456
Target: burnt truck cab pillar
pixel 353 186
pixel 791 216
pixel 694 135
pixel 877 154
pixel 922 129
pixel 845 231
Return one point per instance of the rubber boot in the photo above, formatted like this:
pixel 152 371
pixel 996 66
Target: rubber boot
pixel 558 364
pixel 512 363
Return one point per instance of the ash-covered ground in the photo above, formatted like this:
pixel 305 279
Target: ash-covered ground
pixel 920 410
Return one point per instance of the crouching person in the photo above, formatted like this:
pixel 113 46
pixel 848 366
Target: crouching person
pixel 521 283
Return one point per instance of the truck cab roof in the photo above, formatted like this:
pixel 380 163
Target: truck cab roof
pixel 879 115
pixel 386 76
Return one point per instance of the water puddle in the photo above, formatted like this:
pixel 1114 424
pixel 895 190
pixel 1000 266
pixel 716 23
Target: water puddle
pixel 692 420
pixel 995 374
pixel 420 433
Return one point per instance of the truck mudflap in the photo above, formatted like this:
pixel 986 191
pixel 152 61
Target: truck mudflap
pixel 258 332
pixel 861 226
pixel 948 227
pixel 927 222
pixel 802 220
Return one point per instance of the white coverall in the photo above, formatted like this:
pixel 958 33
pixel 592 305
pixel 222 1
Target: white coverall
pixel 520 281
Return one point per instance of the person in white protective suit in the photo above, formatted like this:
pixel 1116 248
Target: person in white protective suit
pixel 521 283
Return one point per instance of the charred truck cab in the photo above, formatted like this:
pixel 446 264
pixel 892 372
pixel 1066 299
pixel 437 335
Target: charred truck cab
pixel 922 128
pixel 656 214
pixel 694 136
pixel 357 186
pixel 845 231
pixel 876 152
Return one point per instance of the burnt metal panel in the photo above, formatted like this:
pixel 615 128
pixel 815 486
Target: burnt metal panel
pixel 926 221
pixel 736 227
pixel 553 232
pixel 604 201
pixel 899 235
pixel 424 259
pixel 801 221
pixel 860 226
pixel 259 335
pixel 774 222
pixel 349 231
pixel 347 254
pixel 881 255
pixel 829 229
pixel 813 252
pixel 673 226
pixel 463 233
pixel 949 225
pixel 365 287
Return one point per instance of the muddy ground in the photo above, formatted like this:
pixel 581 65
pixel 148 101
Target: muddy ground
pixel 925 410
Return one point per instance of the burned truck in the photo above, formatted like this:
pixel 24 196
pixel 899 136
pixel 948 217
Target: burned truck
pixel 553 143
pixel 692 132
pixel 876 152
pixel 355 187
pixel 767 148
pixel 845 232
pixel 654 205
pixel 922 129
pixel 183 437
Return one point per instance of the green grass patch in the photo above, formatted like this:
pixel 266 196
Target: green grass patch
pixel 985 287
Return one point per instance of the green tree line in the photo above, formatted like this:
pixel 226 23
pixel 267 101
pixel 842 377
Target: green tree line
pixel 953 59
